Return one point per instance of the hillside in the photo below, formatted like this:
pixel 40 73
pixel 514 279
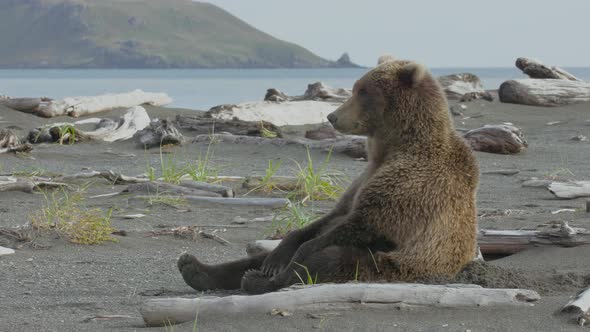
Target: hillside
pixel 138 34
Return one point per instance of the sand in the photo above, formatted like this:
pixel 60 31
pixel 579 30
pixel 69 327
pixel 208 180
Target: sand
pixel 59 288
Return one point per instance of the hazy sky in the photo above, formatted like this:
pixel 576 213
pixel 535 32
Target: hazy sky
pixel 438 33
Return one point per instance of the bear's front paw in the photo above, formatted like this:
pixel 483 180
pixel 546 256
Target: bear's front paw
pixel 256 282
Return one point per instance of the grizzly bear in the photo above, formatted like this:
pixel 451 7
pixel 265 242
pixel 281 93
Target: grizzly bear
pixel 410 215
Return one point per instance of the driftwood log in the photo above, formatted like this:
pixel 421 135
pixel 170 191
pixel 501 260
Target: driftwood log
pixel 158 187
pixel 544 92
pixel 11 183
pixel 159 133
pixel 223 191
pixel 506 242
pixel 502 139
pixel 457 85
pixel 289 113
pixel 570 190
pixel 134 120
pixel 158 312
pixel 492 242
pixel 199 201
pixel 27 105
pixel 202 125
pixel 534 68
pixel 80 106
pixel 353 146
pixel 580 305
pixel 9 142
pixel 109 175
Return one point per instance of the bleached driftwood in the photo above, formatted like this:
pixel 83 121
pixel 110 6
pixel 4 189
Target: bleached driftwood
pixel 9 142
pixel 544 92
pixel 353 146
pixel 27 105
pixel 503 139
pixel 534 68
pixel 457 85
pixel 320 91
pixel 205 125
pixel 570 190
pixel 579 304
pixel 134 120
pixel 6 251
pixel 286 183
pixel 159 133
pixel 157 187
pixel 283 114
pixel 495 242
pixel 11 183
pixel 80 106
pixel 224 191
pixel 270 203
pixel 111 176
pixel 512 241
pixel 157 312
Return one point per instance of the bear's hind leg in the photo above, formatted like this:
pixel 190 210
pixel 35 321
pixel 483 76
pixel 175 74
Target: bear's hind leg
pixel 222 276
pixel 332 264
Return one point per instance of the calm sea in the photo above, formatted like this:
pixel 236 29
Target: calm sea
pixel 204 88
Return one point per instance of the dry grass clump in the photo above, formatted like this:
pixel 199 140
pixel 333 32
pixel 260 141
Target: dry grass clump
pixel 68 217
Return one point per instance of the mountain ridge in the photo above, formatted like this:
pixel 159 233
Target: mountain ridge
pixel 139 34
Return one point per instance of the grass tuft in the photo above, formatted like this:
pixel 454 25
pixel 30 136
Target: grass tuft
pixel 69 218
pixel 290 218
pixel 315 184
pixel 308 278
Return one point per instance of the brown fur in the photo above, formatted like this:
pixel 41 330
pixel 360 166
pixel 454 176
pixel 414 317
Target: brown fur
pixel 410 215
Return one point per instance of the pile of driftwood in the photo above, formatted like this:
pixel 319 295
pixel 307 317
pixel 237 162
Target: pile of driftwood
pixel 547 86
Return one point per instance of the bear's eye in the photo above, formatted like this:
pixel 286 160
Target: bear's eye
pixel 362 92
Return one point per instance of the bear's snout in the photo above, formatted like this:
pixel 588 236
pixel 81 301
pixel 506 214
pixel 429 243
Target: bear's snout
pixel 332 118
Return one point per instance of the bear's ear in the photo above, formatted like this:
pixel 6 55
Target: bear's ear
pixel 412 74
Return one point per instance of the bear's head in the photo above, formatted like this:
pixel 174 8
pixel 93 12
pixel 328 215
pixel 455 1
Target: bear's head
pixel 397 99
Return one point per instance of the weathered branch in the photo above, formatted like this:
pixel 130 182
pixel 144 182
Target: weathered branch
pixel 157 312
pixel 270 203
pixel 157 187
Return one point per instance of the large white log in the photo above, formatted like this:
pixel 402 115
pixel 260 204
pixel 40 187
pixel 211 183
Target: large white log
pixel 158 312
pixel 280 114
pixel 80 106
pixel 544 92
pixel 570 190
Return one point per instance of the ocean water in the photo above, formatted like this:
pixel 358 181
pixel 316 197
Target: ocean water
pixel 203 88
